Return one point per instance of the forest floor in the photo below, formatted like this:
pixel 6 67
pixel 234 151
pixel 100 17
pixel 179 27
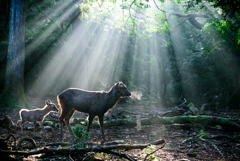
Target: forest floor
pixel 195 149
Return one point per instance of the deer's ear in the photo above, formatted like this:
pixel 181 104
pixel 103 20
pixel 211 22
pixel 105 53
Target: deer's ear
pixel 117 85
pixel 47 102
pixel 121 84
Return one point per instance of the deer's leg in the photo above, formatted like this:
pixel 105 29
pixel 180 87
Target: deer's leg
pixel 100 121
pixel 90 119
pixel 67 118
pixel 20 123
pixel 35 124
pixel 64 113
pixel 41 125
pixel 21 128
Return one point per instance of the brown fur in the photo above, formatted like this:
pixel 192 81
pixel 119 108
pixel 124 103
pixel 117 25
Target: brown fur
pixel 95 103
pixel 8 124
pixel 36 115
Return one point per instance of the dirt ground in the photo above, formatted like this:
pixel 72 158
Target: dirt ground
pixel 196 149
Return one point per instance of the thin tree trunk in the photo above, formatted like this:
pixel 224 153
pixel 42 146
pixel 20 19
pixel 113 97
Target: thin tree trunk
pixel 13 90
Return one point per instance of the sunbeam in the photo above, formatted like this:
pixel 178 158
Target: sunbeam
pixel 138 69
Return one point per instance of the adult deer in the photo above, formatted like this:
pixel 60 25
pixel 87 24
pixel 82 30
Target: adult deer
pixel 95 103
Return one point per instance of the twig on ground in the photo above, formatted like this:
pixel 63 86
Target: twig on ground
pixel 156 149
pixel 121 155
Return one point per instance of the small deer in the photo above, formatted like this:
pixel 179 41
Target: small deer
pixel 8 124
pixel 36 115
pixel 95 103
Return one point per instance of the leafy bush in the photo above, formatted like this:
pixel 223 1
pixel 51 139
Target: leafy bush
pixel 80 133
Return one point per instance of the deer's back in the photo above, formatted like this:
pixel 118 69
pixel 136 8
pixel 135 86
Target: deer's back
pixel 81 100
pixel 32 115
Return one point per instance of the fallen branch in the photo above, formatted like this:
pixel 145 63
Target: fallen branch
pixel 121 155
pixel 28 139
pixel 225 123
pixel 66 151
pixel 185 101
pixel 59 144
pixel 204 120
pixel 156 150
pixel 204 134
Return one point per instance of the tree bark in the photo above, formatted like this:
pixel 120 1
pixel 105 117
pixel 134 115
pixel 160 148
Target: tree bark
pixel 235 97
pixel 13 93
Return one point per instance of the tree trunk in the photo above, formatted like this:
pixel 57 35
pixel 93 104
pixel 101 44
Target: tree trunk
pixel 13 93
pixel 175 72
pixel 126 71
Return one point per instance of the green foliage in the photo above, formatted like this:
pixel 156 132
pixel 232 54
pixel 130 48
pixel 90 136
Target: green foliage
pixel 80 134
pixel 8 102
pixel 202 134
pixel 187 140
pixel 29 1
pixel 225 6
pixel 190 104
pixel 238 37
pixel 226 32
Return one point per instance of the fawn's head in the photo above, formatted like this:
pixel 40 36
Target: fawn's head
pixel 121 87
pixel 51 106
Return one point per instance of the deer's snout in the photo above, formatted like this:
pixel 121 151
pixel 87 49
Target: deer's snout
pixel 55 109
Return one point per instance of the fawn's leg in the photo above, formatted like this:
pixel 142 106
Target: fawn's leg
pixel 41 125
pixel 35 125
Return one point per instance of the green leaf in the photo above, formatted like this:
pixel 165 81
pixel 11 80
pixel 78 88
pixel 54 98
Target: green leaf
pixel 124 7
pixel 190 104
pixel 147 6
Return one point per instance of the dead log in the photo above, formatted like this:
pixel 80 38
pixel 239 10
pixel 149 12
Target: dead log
pixel 67 151
pixel 28 139
pixel 225 123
